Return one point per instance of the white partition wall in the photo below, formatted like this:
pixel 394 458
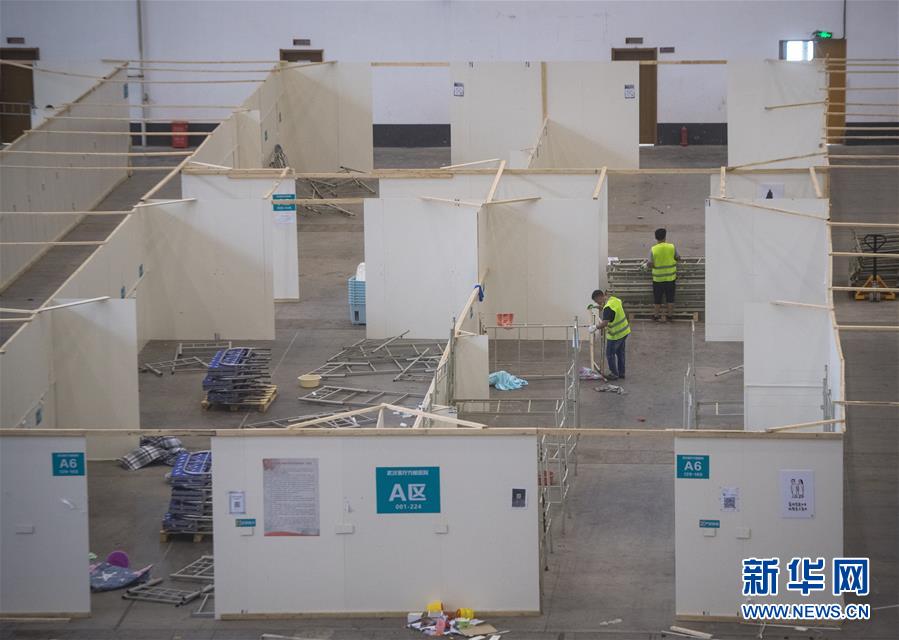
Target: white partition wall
pixel 787 354
pixel 26 371
pixel 77 367
pixel 421 262
pixel 216 257
pixel 499 111
pixel 545 257
pixel 713 536
pixel 95 372
pixel 542 256
pixel 593 111
pixel 48 189
pixel 43 527
pixel 756 132
pixel 326 117
pixel 756 254
pixel 471 367
pixel 319 114
pixel 365 547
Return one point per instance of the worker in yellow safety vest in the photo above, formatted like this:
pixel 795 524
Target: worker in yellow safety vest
pixel 663 261
pixel 617 328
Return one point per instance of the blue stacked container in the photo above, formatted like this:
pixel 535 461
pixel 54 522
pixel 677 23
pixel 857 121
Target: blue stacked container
pixel 356 296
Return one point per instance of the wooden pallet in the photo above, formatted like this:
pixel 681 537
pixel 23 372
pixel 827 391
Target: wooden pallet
pixel 642 314
pixel 166 536
pixel 261 405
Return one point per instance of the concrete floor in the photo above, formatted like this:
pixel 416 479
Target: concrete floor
pixel 616 560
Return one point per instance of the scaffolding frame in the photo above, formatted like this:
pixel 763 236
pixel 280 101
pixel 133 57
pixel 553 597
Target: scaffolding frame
pixel 540 352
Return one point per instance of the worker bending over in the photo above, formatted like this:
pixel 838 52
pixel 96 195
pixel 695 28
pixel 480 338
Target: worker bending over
pixel 663 261
pixel 614 321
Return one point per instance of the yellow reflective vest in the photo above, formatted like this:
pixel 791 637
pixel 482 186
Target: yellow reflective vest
pixel 619 327
pixel 664 266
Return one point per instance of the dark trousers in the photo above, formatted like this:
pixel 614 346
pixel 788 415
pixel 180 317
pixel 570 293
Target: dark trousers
pixel 615 356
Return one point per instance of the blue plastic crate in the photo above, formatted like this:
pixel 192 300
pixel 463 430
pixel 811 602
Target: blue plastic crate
pixel 355 291
pixel 357 313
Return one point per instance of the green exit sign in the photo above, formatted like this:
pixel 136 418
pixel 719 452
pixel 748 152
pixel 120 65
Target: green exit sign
pixel 822 35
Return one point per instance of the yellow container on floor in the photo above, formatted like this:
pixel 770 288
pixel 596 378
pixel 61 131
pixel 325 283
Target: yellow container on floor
pixel 310 380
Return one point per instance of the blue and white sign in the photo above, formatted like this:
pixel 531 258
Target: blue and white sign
pixel 690 466
pixel 286 206
pixel 709 524
pixel 68 463
pixel 244 522
pixel 408 489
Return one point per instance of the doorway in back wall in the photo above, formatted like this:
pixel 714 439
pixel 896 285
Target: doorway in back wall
pixel 302 55
pixel 16 92
pixel 648 90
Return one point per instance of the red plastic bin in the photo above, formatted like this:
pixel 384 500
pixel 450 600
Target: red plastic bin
pixel 179 135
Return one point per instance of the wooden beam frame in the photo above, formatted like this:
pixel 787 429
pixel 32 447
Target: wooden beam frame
pixel 863 254
pixel 514 200
pixel 866 327
pixel 599 182
pixel 129 154
pixel 543 96
pixel 168 178
pixel 815 184
pixel 458 203
pixel 755 205
pixel 121 133
pixel 803 425
pixel 56 243
pixel 772 161
pixel 80 168
pixel 496 179
pixel 468 164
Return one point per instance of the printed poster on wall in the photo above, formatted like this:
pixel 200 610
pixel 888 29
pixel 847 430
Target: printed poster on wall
pixel 797 493
pixel 290 496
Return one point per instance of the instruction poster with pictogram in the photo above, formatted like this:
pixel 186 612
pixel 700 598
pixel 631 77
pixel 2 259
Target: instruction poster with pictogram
pixel 797 493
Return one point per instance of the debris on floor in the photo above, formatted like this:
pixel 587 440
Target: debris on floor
pixel 586 373
pixel 178 365
pixel 165 449
pixel 200 570
pixel 611 388
pixel 109 577
pixel 152 592
pixel 434 621
pixel 505 381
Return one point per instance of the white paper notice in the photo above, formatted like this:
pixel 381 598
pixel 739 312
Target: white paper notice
pixel 730 499
pixel 290 493
pixel 797 493
pixel 237 502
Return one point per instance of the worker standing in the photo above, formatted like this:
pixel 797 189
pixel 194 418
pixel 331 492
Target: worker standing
pixel 617 328
pixel 663 261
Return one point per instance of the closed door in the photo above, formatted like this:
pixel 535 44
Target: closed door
pixel 836 86
pixel 648 90
pixel 16 93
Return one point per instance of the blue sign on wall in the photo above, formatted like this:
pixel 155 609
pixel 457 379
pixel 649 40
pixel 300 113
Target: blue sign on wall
pixel 709 524
pixel 276 206
pixel 68 463
pixel 689 466
pixel 244 522
pixel 408 489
